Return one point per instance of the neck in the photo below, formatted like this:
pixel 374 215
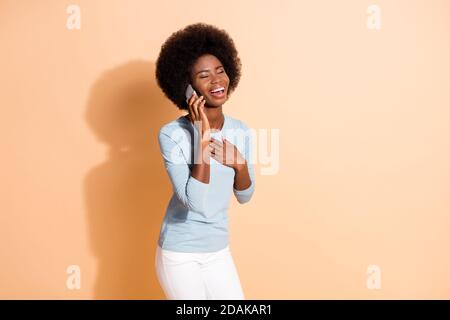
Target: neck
pixel 215 117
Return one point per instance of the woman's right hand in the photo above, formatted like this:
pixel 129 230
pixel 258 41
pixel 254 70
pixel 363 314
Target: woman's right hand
pixel 197 116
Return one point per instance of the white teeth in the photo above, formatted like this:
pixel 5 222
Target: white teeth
pixel 218 89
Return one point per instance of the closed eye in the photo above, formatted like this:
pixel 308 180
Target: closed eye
pixel 206 76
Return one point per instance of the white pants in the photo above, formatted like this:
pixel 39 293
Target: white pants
pixel 198 276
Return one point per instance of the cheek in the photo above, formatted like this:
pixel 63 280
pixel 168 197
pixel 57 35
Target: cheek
pixel 203 87
pixel 227 79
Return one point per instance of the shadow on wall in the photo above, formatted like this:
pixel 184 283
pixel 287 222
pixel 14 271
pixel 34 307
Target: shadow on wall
pixel 126 195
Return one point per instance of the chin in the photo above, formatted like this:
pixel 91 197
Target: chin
pixel 215 105
pixel 212 105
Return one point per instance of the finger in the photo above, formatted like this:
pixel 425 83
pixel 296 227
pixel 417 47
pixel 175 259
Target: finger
pixel 192 104
pixel 201 108
pixel 218 153
pixel 211 153
pixel 190 115
pixel 216 140
pixel 213 140
pixel 225 141
pixel 216 149
pixel 195 109
pixel 191 112
pixel 192 98
pixel 217 157
pixel 197 104
pixel 191 107
pixel 198 101
pixel 214 157
pixel 217 144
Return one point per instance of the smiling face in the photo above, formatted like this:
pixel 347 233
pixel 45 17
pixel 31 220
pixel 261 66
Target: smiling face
pixel 209 78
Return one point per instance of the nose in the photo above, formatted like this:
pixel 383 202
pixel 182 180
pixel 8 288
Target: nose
pixel 215 78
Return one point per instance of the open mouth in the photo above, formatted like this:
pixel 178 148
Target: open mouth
pixel 218 92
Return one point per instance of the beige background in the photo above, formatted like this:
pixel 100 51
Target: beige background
pixel 364 122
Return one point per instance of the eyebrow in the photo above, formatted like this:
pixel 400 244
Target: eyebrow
pixel 205 70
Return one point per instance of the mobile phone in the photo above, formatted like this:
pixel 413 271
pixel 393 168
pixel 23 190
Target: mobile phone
pixel 189 92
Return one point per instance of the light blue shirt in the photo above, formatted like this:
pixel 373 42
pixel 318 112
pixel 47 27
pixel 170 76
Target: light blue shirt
pixel 196 218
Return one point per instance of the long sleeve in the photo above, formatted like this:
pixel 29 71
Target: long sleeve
pixel 191 192
pixel 245 195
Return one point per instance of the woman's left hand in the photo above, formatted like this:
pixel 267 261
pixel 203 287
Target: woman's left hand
pixel 226 153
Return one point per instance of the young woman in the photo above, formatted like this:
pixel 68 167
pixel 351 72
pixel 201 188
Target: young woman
pixel 207 155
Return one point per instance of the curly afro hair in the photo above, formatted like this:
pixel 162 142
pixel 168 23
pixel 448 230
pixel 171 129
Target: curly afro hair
pixel 181 50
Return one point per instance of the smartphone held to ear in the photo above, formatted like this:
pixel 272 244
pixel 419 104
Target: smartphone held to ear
pixel 189 92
